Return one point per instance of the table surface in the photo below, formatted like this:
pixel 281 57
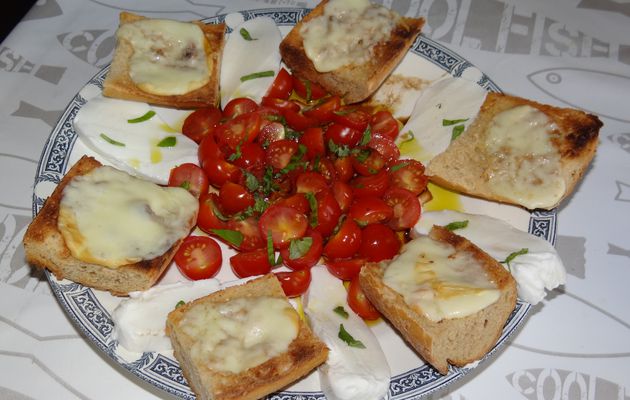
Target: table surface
pixel 575 345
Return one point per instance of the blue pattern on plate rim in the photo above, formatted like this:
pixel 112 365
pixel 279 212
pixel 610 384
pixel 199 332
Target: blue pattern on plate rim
pixel 82 306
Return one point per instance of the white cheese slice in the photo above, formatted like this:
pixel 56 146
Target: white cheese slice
pixel 538 270
pixel 245 57
pixel 350 373
pixel 132 147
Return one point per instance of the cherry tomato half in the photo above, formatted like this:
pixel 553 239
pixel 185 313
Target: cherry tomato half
pixel 370 210
pixel 234 197
pixel 294 283
pixel 379 242
pixel 359 303
pixel 190 177
pixel 383 123
pixel 199 257
pixel 250 263
pixel 208 217
pixel 239 106
pixel 406 208
pixel 201 123
pixel 282 85
pixel 284 223
pixel 345 242
pixel 345 269
pixel 308 90
pixel 409 174
pixel 309 258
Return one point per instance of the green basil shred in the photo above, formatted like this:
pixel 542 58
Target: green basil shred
pixel 449 122
pixel 147 116
pixel 245 34
pixel 513 255
pixel 341 311
pixel 457 225
pixel 169 141
pixel 256 75
pixel 457 130
pixel 112 141
pixel 299 247
pixel 234 238
pixel 350 341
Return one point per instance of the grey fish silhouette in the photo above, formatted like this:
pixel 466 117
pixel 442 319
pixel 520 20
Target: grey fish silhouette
pixel 622 139
pixel 94 46
pixel 623 191
pixel 13 62
pixel 562 83
pixel 572 251
pixel 605 5
pixel 618 251
pixel 43 9
pixel 545 383
pixel 176 9
pixel 6 393
pixel 28 110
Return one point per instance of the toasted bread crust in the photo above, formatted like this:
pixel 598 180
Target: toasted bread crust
pixel 304 354
pixel 45 248
pixel 456 341
pixel 353 83
pixel 462 166
pixel 118 84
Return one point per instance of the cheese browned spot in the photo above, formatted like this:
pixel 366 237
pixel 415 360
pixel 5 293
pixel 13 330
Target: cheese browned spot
pixel 110 218
pixel 169 57
pixel 440 282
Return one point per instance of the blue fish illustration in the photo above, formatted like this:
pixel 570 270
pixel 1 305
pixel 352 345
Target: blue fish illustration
pixel 175 9
pixel 544 383
pixel 43 9
pixel 618 251
pixel 622 139
pixel 606 96
pixel 606 5
pixel 623 191
pixel 13 62
pixel 28 110
pixel 94 46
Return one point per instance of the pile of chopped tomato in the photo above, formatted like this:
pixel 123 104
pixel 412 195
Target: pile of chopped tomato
pixel 299 177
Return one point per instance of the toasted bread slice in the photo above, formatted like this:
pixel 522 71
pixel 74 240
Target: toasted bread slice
pixel 45 247
pixel 468 166
pixel 457 341
pixel 304 353
pixel 353 83
pixel 119 84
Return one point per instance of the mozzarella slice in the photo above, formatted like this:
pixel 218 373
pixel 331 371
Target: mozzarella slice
pixel 246 57
pixel 448 98
pixel 102 124
pixel 350 373
pixel 537 270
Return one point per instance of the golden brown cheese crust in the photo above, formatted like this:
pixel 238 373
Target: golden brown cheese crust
pixel 304 354
pixel 118 84
pixel 353 83
pixel 462 166
pixel 456 341
pixel 45 248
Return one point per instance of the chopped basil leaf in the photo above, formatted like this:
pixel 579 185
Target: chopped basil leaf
pixel 111 141
pixel 513 255
pixel 256 75
pixel 185 185
pixel 312 201
pixel 367 136
pixel 237 153
pixel 449 122
pixel 350 341
pixel 271 255
pixel 296 160
pixel 407 137
pixel 299 247
pixel 218 212
pixel 457 130
pixel 456 225
pixel 251 182
pixel 343 112
pixel 169 141
pixel 245 34
pixel 180 303
pixel 398 166
pixel 341 311
pixel 235 238
pixel 361 154
pixel 147 116
pixel 309 91
pixel 339 151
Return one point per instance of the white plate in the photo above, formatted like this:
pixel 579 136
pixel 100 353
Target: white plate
pixel 90 309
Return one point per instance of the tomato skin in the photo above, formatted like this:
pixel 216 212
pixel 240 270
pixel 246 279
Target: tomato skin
pixel 250 263
pixel 409 174
pixel 310 258
pixel 252 236
pixel 271 132
pixel 370 210
pixel 191 177
pixel 386 147
pixel 281 105
pixel 367 165
pixel 222 171
pixel 284 223
pixel 325 111
pixel 239 106
pixel 343 135
pixel 241 129
pixel 374 185
pixel 300 87
pixel 383 123
pixel 297 201
pixel 328 213
pixel 344 168
pixel 353 118
pixel 379 242
pixel 405 206
pixel 298 121
pixel 345 242
pixel 234 197
pixel 252 157
pixel 201 123
pixel 199 257
pixel 207 218
pixel 359 303
pixel 345 269
pixel 313 139
pixel 208 151
pixel 279 153
pixel 282 85
pixel 326 168
pixel 343 194
pixel 294 283
pixel 310 182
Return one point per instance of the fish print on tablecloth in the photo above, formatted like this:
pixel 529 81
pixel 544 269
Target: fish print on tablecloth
pixel 606 5
pixel 621 139
pixel 43 9
pixel 94 46
pixel 542 383
pixel 10 61
pixel 174 9
pixel 618 250
pixel 283 3
pixel 28 110
pixel 623 191
pixel 567 85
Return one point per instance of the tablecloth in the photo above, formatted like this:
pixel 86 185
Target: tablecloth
pixel 573 53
